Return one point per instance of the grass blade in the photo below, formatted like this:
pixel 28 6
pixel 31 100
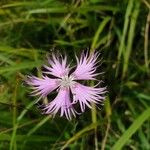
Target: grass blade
pixel 134 17
pixel 80 134
pixel 132 129
pixel 20 66
pixel 98 32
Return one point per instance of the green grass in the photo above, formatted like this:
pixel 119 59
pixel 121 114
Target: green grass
pixel 119 30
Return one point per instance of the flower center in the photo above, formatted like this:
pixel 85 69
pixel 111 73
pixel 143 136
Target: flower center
pixel 67 81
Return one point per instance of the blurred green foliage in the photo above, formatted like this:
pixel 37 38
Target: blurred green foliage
pixel 31 29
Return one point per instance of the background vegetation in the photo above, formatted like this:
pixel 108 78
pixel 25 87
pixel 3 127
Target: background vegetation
pixel 119 29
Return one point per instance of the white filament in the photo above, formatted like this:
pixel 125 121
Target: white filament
pixel 67 81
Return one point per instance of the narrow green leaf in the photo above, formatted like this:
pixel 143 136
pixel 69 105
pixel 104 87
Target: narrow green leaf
pixel 132 129
pixel 133 21
pixel 20 66
pixel 98 32
pixel 35 138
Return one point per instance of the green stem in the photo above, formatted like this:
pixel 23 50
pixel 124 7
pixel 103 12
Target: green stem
pixel 134 17
pixel 13 144
pixel 94 119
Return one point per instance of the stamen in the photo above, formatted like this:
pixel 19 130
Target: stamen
pixel 67 81
pixel 74 99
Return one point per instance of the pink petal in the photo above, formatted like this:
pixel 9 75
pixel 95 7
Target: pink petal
pixel 42 86
pixel 58 67
pixel 61 102
pixel 86 67
pixel 85 95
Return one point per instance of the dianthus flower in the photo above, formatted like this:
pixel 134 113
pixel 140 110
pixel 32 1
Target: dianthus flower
pixel 71 92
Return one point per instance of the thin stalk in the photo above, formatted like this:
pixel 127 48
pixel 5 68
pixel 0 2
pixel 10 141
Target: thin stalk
pixel 94 120
pixel 108 114
pixel 146 3
pixel 93 46
pixel 106 135
pixel 17 121
pixel 125 29
pixel 146 42
pixel 13 144
pixel 127 53
pixel 98 32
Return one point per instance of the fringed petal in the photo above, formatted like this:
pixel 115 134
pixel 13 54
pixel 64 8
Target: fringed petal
pixel 61 103
pixel 42 86
pixel 86 95
pixel 86 67
pixel 58 67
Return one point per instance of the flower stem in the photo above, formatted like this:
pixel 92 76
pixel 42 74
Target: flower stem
pixel 93 110
pixel 94 120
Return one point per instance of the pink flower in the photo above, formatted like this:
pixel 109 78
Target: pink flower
pixel 70 91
